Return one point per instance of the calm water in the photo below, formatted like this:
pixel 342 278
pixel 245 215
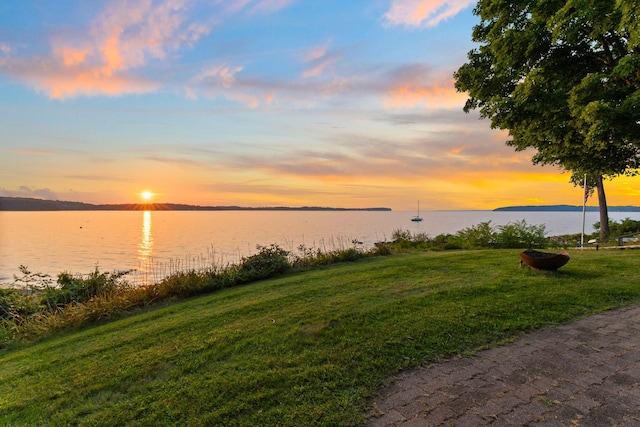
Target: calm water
pixel 159 242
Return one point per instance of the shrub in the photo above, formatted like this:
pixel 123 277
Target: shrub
pixel 400 235
pixel 478 236
pixel 17 305
pixel 348 255
pixel 452 245
pixel 180 284
pixel 310 257
pixel 444 242
pixel 269 261
pixel 38 306
pixel 512 235
pixel 519 234
pixel 625 226
pixel 516 234
pixel 405 240
pixel 382 249
pixel 31 281
pixel 79 289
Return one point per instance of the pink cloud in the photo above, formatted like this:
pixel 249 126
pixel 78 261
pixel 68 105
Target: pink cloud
pixel 424 13
pixel 415 84
pixel 316 53
pixel 318 67
pixel 126 36
pixel 319 59
pixel 220 74
pixel 5 48
pixel 220 81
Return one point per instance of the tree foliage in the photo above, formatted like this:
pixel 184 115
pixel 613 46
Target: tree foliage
pixel 563 77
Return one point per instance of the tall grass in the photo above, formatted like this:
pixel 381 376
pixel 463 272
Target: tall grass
pixel 152 270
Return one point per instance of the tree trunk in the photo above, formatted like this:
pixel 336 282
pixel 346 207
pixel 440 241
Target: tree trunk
pixel 604 212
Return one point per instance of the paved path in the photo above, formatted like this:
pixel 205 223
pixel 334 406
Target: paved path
pixel 586 373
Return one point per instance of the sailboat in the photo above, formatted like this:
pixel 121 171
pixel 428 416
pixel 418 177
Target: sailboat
pixel 417 218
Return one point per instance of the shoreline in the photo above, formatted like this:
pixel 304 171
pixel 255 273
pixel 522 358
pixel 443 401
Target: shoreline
pixel 23 204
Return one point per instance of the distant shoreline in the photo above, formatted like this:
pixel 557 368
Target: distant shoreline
pixel 30 205
pixel 565 208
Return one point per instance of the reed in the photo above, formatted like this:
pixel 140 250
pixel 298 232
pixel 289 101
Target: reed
pixel 153 270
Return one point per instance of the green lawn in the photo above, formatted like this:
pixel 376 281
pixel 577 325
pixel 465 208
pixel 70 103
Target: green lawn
pixel 306 349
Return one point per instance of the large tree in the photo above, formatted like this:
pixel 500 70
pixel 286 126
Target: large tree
pixel 563 77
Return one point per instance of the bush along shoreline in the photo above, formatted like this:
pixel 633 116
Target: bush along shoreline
pixel 34 305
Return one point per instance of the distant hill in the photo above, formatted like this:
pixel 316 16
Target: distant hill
pixel 28 204
pixel 566 208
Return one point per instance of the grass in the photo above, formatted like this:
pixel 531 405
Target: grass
pixel 306 349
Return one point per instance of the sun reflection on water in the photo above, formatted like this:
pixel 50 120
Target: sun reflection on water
pixel 145 248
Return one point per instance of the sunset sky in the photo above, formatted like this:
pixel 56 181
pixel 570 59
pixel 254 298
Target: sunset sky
pixel 255 103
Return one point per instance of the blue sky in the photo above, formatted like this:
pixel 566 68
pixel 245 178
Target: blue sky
pixel 254 103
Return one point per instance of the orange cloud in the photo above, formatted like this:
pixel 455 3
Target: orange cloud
pixel 63 85
pixel 112 56
pixel 124 38
pixel 427 13
pixel 440 94
pixel 126 35
pixel 72 57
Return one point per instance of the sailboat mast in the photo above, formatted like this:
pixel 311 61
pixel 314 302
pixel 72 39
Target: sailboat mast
pixel 417 217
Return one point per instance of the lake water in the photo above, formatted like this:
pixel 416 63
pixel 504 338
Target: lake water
pixel 156 243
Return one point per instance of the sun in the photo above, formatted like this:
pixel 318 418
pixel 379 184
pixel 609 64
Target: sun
pixel 146 195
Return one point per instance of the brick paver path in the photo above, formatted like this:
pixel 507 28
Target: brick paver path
pixel 586 373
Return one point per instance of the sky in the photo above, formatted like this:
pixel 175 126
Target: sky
pixel 256 103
